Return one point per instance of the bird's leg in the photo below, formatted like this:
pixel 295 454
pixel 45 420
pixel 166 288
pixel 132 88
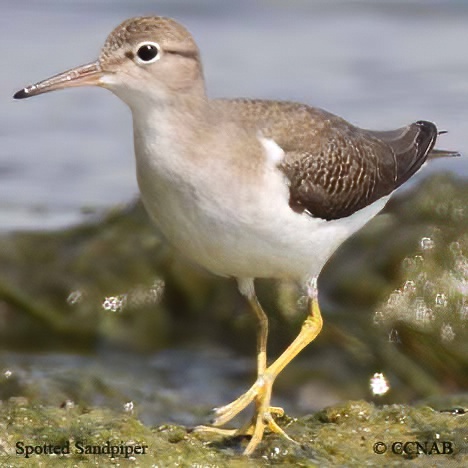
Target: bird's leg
pixel 228 412
pixel 261 390
pixel 309 331
pixel 262 334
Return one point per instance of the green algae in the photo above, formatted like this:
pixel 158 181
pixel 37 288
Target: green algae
pixel 354 433
pixel 377 294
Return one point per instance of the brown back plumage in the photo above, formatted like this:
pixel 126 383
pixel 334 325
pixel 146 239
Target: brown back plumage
pixel 334 168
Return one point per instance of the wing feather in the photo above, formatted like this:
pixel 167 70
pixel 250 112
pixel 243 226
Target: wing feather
pixel 333 167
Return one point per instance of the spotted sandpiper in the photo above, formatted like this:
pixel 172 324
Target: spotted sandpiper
pixel 245 188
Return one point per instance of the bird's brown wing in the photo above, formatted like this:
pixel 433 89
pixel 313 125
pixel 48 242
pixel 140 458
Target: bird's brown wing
pixel 412 145
pixel 334 168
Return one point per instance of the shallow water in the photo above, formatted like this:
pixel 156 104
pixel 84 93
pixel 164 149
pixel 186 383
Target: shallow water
pixel 378 64
pixel 180 385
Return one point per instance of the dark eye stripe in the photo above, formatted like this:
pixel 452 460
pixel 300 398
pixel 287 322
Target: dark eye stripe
pixel 183 53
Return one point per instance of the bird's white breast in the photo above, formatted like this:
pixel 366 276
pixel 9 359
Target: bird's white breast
pixel 229 224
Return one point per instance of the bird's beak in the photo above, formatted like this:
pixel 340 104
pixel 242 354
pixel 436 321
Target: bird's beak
pixel 85 75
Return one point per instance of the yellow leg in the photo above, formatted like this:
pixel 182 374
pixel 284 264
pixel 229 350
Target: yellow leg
pixel 262 334
pixel 309 331
pixel 261 390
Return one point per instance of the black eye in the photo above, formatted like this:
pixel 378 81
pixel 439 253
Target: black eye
pixel 148 52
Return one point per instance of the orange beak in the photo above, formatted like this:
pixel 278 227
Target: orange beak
pixel 85 75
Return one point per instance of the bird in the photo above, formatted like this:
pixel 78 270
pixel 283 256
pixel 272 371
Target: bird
pixel 245 188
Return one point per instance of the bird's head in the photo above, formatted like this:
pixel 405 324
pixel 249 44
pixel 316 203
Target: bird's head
pixel 144 59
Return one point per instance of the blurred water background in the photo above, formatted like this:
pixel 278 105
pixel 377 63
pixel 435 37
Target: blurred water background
pixel 67 157
pixel 379 64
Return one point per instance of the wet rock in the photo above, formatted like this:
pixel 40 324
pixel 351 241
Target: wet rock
pixel 114 284
pixel 355 433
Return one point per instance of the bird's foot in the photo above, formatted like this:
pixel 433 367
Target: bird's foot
pixel 225 413
pixel 260 421
pixel 260 392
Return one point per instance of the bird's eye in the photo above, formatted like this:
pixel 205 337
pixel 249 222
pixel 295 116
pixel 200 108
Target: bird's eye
pixel 148 52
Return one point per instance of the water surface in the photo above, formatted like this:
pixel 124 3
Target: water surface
pixel 378 64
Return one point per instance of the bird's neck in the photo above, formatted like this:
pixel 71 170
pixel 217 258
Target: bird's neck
pixel 171 116
pixel 167 135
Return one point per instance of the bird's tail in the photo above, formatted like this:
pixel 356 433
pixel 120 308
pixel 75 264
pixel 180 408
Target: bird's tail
pixel 440 153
